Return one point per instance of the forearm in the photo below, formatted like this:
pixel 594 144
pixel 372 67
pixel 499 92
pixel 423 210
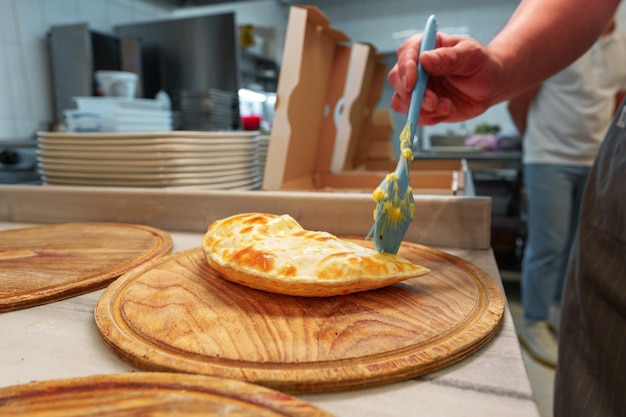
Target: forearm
pixel 532 46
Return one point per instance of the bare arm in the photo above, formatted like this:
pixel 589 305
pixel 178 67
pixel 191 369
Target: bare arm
pixel 541 38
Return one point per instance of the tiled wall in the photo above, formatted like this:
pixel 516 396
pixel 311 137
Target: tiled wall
pixel 25 94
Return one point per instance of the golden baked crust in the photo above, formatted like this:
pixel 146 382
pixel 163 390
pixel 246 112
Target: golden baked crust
pixel 274 253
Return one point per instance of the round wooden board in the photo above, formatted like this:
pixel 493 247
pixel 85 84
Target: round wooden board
pixel 150 394
pixel 177 314
pixel 42 264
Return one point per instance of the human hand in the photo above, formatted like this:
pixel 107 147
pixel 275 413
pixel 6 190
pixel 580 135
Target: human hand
pixel 465 78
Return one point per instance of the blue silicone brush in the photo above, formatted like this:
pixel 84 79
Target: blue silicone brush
pixel 395 206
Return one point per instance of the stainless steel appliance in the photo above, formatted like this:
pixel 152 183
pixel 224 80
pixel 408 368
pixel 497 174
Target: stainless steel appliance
pixel 76 52
pixel 185 57
pixel 187 54
pixel 195 61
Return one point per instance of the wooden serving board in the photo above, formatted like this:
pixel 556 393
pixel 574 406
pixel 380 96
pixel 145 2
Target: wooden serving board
pixel 177 314
pixel 150 393
pixel 41 264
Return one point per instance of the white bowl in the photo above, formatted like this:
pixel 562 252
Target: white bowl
pixel 117 83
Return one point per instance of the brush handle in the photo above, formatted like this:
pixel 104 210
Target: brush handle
pixel 395 207
pixel 428 42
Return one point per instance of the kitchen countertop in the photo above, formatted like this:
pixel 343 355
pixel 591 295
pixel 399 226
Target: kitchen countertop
pixel 60 339
pixel 479 160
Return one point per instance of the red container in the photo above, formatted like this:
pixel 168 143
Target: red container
pixel 251 122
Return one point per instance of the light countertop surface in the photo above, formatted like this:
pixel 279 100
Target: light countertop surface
pixel 61 340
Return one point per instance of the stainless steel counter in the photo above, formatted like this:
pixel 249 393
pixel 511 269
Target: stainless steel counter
pixel 478 161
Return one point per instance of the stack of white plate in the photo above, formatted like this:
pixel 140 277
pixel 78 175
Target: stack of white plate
pixel 118 114
pixel 264 143
pixel 178 159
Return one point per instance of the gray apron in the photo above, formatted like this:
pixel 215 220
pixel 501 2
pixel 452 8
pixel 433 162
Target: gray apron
pixel 591 370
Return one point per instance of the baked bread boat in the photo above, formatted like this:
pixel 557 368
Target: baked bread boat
pixel 275 253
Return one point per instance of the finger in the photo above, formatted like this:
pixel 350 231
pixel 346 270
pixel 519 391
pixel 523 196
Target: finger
pixel 430 101
pixel 442 108
pixel 394 78
pixel 407 65
pixel 462 59
pixel 399 104
pixel 445 107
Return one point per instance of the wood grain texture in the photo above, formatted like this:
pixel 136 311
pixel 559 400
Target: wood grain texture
pixel 150 394
pixel 177 314
pixel 42 264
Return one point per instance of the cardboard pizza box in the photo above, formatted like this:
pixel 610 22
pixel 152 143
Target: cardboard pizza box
pixel 380 133
pixel 324 117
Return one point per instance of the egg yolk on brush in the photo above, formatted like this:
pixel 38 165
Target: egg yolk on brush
pixel 394 210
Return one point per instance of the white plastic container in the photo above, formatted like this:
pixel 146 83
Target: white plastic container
pixel 117 83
